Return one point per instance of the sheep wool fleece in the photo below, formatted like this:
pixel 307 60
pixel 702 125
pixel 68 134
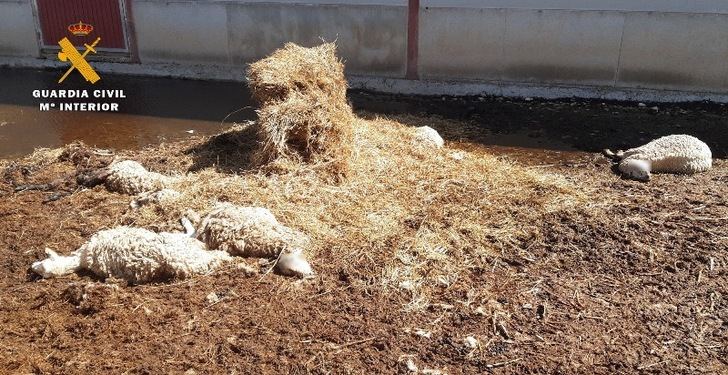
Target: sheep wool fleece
pixel 673 154
pixel 248 231
pixel 138 256
pixel 130 177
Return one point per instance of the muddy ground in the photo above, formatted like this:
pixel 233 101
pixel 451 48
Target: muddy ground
pixel 641 287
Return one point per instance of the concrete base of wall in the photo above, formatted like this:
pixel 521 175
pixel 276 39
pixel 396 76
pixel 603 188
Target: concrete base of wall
pixel 396 85
pixel 186 71
pixel 529 90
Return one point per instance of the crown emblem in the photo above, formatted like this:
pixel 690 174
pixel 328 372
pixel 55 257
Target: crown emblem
pixel 80 29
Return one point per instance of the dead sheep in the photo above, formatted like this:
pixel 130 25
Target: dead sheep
pixel 428 136
pixel 255 232
pixel 681 154
pixel 136 255
pixel 130 177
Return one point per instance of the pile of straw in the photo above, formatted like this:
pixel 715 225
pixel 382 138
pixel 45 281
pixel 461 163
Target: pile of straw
pixel 304 114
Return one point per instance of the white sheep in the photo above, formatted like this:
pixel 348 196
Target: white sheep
pixel 683 154
pixel 136 255
pixel 130 177
pixel 255 232
pixel 429 136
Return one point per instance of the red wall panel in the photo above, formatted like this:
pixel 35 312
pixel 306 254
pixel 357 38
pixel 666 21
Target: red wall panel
pixel 104 15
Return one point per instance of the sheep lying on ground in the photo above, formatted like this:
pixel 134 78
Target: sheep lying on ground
pixel 136 255
pixel 255 232
pixel 682 154
pixel 130 177
pixel 429 136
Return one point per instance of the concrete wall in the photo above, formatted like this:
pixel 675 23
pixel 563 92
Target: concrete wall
pixel 17 29
pixel 593 44
pixel 371 39
pixel 184 32
pixel 674 50
pixel 622 44
pixel 371 34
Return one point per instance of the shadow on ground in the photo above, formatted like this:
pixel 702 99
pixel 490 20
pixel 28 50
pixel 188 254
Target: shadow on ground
pixel 565 125
pixel 228 152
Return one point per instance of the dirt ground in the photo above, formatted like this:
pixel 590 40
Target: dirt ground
pixel 634 282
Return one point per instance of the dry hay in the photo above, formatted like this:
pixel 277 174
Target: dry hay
pixel 305 115
pixel 294 68
pixel 305 129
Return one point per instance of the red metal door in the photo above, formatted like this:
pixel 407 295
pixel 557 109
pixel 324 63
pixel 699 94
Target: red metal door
pixel 106 17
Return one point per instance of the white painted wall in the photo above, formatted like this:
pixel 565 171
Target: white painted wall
pixel 662 6
pixel 371 39
pixel 683 45
pixel 371 34
pixel 187 32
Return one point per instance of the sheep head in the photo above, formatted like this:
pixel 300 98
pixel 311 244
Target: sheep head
pixel 636 168
pixel 56 265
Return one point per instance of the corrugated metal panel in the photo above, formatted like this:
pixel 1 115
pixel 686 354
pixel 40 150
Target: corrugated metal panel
pixel 104 15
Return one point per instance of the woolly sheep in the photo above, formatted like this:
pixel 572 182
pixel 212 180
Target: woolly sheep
pixel 429 136
pixel 255 232
pixel 683 154
pixel 130 177
pixel 136 255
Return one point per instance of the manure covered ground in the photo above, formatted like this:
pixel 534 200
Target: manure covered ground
pixel 509 261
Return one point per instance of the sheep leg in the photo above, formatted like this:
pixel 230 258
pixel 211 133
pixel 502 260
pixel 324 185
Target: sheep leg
pixel 189 228
pixel 293 263
pixel 615 156
pixel 57 265
pixel 93 177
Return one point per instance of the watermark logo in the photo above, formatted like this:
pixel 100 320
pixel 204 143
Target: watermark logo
pixel 83 100
pixel 78 61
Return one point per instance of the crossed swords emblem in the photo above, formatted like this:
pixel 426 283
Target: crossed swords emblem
pixel 78 60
